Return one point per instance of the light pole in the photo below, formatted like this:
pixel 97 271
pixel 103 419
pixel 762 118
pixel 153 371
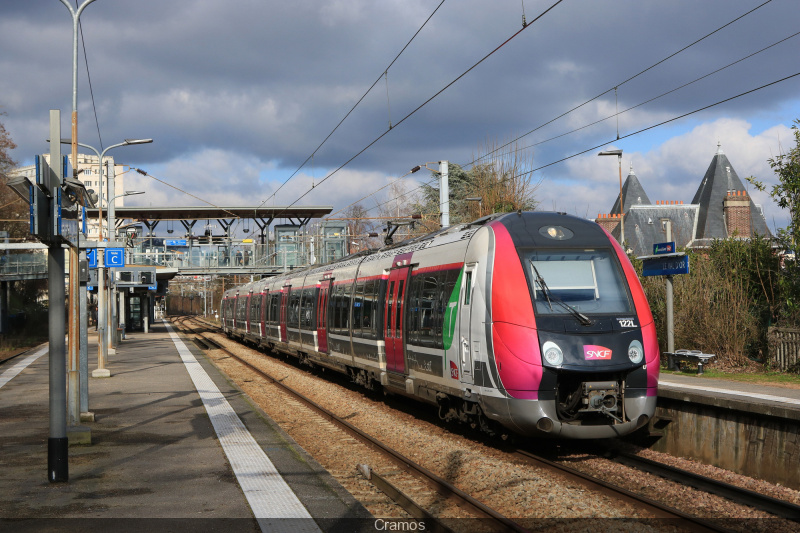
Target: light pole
pixel 618 153
pixel 104 304
pixel 480 204
pixel 57 461
pixel 109 181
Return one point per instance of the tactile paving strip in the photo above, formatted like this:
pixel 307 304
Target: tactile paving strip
pixel 12 372
pixel 269 496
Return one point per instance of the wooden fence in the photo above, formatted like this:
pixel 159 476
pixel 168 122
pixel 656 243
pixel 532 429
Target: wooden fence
pixel 784 349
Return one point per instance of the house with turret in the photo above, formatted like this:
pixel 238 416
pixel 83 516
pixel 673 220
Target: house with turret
pixel 721 209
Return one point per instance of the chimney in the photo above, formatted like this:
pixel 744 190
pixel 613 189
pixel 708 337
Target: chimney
pixel 736 209
pixel 608 222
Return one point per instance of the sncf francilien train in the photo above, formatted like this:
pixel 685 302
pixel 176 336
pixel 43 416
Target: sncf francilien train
pixel 535 322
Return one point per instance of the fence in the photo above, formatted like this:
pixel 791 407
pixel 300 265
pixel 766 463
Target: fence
pixel 784 348
pixel 184 305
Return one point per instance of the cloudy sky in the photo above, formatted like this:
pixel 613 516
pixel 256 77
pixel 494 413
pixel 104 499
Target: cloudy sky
pixel 238 94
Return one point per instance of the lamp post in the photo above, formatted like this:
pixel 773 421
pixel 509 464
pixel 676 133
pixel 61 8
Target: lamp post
pixel 104 338
pixel 57 466
pixel 618 153
pixel 480 204
pixel 109 181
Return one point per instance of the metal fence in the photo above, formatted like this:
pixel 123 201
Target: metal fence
pixel 784 348
pixel 200 258
pixel 22 265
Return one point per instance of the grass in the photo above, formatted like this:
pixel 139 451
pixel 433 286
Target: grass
pixel 766 378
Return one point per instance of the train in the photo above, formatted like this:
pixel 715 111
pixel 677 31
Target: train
pixel 532 324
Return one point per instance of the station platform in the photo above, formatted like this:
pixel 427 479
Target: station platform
pixel 175 447
pixel 755 398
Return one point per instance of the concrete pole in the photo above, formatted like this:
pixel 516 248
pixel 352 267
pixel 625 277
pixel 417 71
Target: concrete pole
pixel 444 193
pixel 73 400
pixel 102 353
pixel 670 315
pixel 83 358
pixel 57 442
pixel 621 207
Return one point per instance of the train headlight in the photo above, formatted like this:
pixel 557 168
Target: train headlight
pixel 635 352
pixel 552 353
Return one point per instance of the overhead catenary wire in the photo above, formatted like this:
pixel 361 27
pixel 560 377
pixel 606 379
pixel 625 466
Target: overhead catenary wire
pixel 631 78
pixel 144 173
pixel 426 102
pixel 637 132
pixel 378 79
pixel 465 165
pixel 646 101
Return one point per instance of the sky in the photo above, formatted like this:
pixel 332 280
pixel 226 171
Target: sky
pixel 239 94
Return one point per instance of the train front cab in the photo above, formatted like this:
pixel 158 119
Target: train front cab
pixel 587 375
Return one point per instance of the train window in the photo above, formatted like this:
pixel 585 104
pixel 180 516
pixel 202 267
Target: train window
pixel 293 309
pixel 358 308
pixel 589 281
pixel 274 308
pixel 369 312
pixel 467 288
pixel 307 309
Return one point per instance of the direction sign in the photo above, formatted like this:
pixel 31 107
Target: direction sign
pixel 115 257
pixel 91 256
pixel 666 265
pixel 664 248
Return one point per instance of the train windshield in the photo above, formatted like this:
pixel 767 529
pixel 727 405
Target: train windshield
pixel 587 281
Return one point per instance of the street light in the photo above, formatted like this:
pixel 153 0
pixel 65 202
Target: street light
pixel 618 153
pixel 109 190
pixel 480 204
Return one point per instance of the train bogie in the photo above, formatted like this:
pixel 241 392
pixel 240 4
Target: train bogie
pixel 531 321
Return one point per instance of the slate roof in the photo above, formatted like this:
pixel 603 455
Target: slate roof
pixel 718 180
pixel 632 194
pixel 693 225
pixel 643 226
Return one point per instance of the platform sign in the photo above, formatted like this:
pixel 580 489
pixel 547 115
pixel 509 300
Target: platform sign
pixel 664 248
pixel 115 257
pixel 91 256
pixel 665 265
pixel 176 242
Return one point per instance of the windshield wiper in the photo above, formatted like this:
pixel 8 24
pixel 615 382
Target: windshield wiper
pixel 583 319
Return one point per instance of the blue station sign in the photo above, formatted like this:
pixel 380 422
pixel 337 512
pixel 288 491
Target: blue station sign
pixel 664 248
pixel 666 265
pixel 115 257
pixel 176 242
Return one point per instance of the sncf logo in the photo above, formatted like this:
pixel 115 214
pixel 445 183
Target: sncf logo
pixel 453 370
pixel 592 352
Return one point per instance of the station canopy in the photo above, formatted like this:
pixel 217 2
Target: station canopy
pixel 298 215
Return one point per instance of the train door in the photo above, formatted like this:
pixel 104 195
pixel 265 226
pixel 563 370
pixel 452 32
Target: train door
pixel 262 320
pixel 465 320
pixel 284 307
pixel 322 315
pixel 393 319
pixel 247 327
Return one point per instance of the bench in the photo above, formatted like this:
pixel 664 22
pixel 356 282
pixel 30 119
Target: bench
pixel 689 356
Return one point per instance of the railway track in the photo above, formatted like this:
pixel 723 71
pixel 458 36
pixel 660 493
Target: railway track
pixel 734 493
pixel 495 520
pixel 656 509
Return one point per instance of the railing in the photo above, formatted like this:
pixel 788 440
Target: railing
pixel 201 259
pixel 22 265
pixel 784 348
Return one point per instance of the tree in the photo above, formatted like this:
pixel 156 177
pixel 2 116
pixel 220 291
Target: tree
pixel 787 192
pixel 501 179
pixel 14 210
